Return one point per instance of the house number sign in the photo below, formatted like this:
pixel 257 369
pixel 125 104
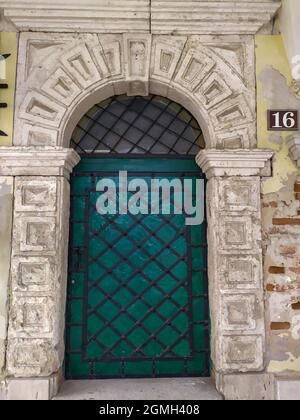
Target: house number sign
pixel 283 120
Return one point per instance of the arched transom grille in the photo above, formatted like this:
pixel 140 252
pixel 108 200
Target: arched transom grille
pixel 138 125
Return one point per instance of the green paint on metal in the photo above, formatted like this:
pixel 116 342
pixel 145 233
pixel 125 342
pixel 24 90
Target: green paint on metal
pixel 138 292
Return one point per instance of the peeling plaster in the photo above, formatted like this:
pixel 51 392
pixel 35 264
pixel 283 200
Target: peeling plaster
pixel 276 138
pixel 273 92
pixel 276 90
pixel 281 243
pixel 290 364
pixel 296 327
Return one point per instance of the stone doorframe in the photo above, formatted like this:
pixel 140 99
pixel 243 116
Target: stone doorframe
pixel 60 77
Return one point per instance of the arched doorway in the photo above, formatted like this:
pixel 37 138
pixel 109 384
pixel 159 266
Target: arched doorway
pixel 137 290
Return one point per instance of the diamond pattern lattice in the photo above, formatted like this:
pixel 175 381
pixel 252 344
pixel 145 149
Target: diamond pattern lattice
pixel 137 296
pixel 138 125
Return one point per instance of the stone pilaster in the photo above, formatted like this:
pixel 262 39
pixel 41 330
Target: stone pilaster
pixel 38 260
pixel 235 258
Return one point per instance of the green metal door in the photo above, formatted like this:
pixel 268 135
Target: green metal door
pixel 137 295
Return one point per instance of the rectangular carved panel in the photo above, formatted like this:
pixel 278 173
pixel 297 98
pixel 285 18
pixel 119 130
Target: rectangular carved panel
pixel 236 233
pixel 137 50
pixel 35 234
pixel 240 272
pixel 239 312
pixel 243 353
pixel 32 274
pixel 238 195
pixel 31 357
pixel 32 315
pixel 35 195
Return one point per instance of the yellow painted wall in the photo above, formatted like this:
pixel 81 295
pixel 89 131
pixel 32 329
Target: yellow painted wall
pixel 270 51
pixel 8 45
pixel 274 91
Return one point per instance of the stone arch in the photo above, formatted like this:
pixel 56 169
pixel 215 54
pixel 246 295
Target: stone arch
pixel 210 79
pixel 60 76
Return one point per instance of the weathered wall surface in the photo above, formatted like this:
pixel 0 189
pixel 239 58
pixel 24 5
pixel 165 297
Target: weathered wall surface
pixel 281 212
pixel 6 197
pixel 8 45
pixel 290 29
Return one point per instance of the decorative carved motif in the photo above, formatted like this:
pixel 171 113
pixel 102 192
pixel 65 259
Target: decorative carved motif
pixel 233 112
pixel 61 87
pixel 239 312
pixel 195 67
pixel 30 357
pixel 32 315
pixel 238 196
pixel 35 233
pixel 38 136
pixel 236 232
pixel 215 79
pixel 245 351
pixel 213 91
pixel 79 63
pixel 32 274
pixel 36 195
pixel 240 272
pixel 137 63
pixel 165 56
pixel 41 109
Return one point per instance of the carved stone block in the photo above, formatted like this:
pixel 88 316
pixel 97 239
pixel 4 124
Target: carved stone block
pixel 239 194
pixel 239 312
pixel 231 113
pixel 213 77
pixel 40 108
pixel 137 50
pixel 35 234
pixel 79 63
pixel 36 195
pixel 194 68
pixel 240 272
pixel 109 56
pixel 31 357
pixel 32 274
pixel 213 91
pixel 236 233
pixel 242 353
pixel 37 136
pixel 61 87
pixel 31 316
pixel 234 139
pixel 165 57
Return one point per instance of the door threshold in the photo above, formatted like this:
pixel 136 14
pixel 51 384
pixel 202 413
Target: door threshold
pixel 176 389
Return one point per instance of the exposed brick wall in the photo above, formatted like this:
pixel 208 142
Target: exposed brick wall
pixel 281 240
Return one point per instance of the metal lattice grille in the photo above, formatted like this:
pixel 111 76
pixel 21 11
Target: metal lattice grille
pixel 138 125
pixel 137 296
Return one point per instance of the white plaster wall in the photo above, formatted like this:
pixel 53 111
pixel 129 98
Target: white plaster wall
pixel 290 28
